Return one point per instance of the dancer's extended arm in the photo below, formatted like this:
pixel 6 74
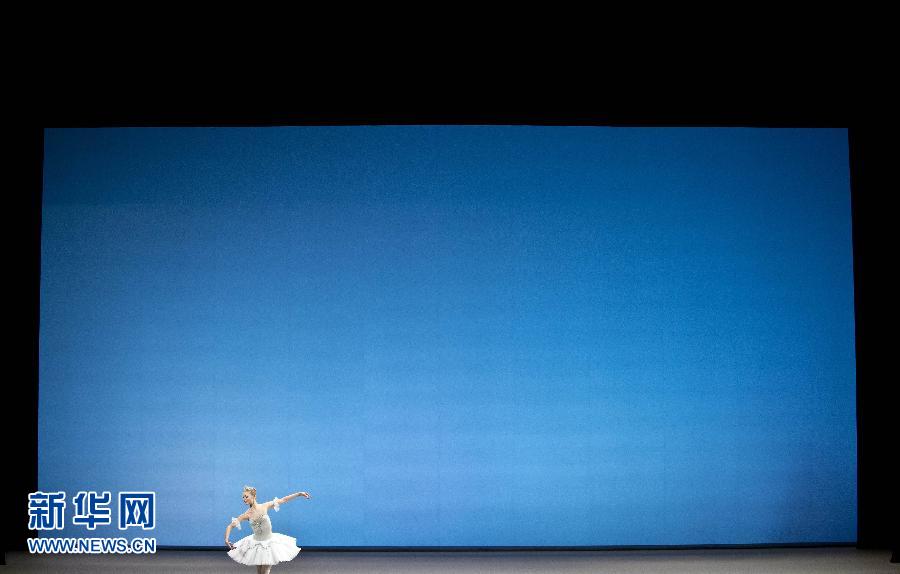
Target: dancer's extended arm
pixel 278 501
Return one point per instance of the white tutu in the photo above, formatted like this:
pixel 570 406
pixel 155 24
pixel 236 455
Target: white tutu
pixel 263 546
pixel 277 548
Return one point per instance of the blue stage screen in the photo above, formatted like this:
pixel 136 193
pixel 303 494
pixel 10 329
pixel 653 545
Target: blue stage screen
pixel 453 335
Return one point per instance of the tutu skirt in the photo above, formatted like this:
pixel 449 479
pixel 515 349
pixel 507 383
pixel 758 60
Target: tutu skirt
pixel 272 550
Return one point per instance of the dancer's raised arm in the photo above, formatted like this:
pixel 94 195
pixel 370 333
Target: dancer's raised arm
pixel 278 501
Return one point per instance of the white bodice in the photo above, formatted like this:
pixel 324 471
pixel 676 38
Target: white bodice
pixel 262 527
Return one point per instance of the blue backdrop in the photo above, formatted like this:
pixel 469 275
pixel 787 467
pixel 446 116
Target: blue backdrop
pixel 454 335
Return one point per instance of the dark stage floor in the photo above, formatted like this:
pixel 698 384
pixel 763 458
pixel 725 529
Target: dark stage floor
pixel 731 561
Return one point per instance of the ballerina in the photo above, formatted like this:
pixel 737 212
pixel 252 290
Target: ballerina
pixel 263 548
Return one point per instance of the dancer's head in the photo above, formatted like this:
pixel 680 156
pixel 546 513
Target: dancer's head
pixel 249 495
